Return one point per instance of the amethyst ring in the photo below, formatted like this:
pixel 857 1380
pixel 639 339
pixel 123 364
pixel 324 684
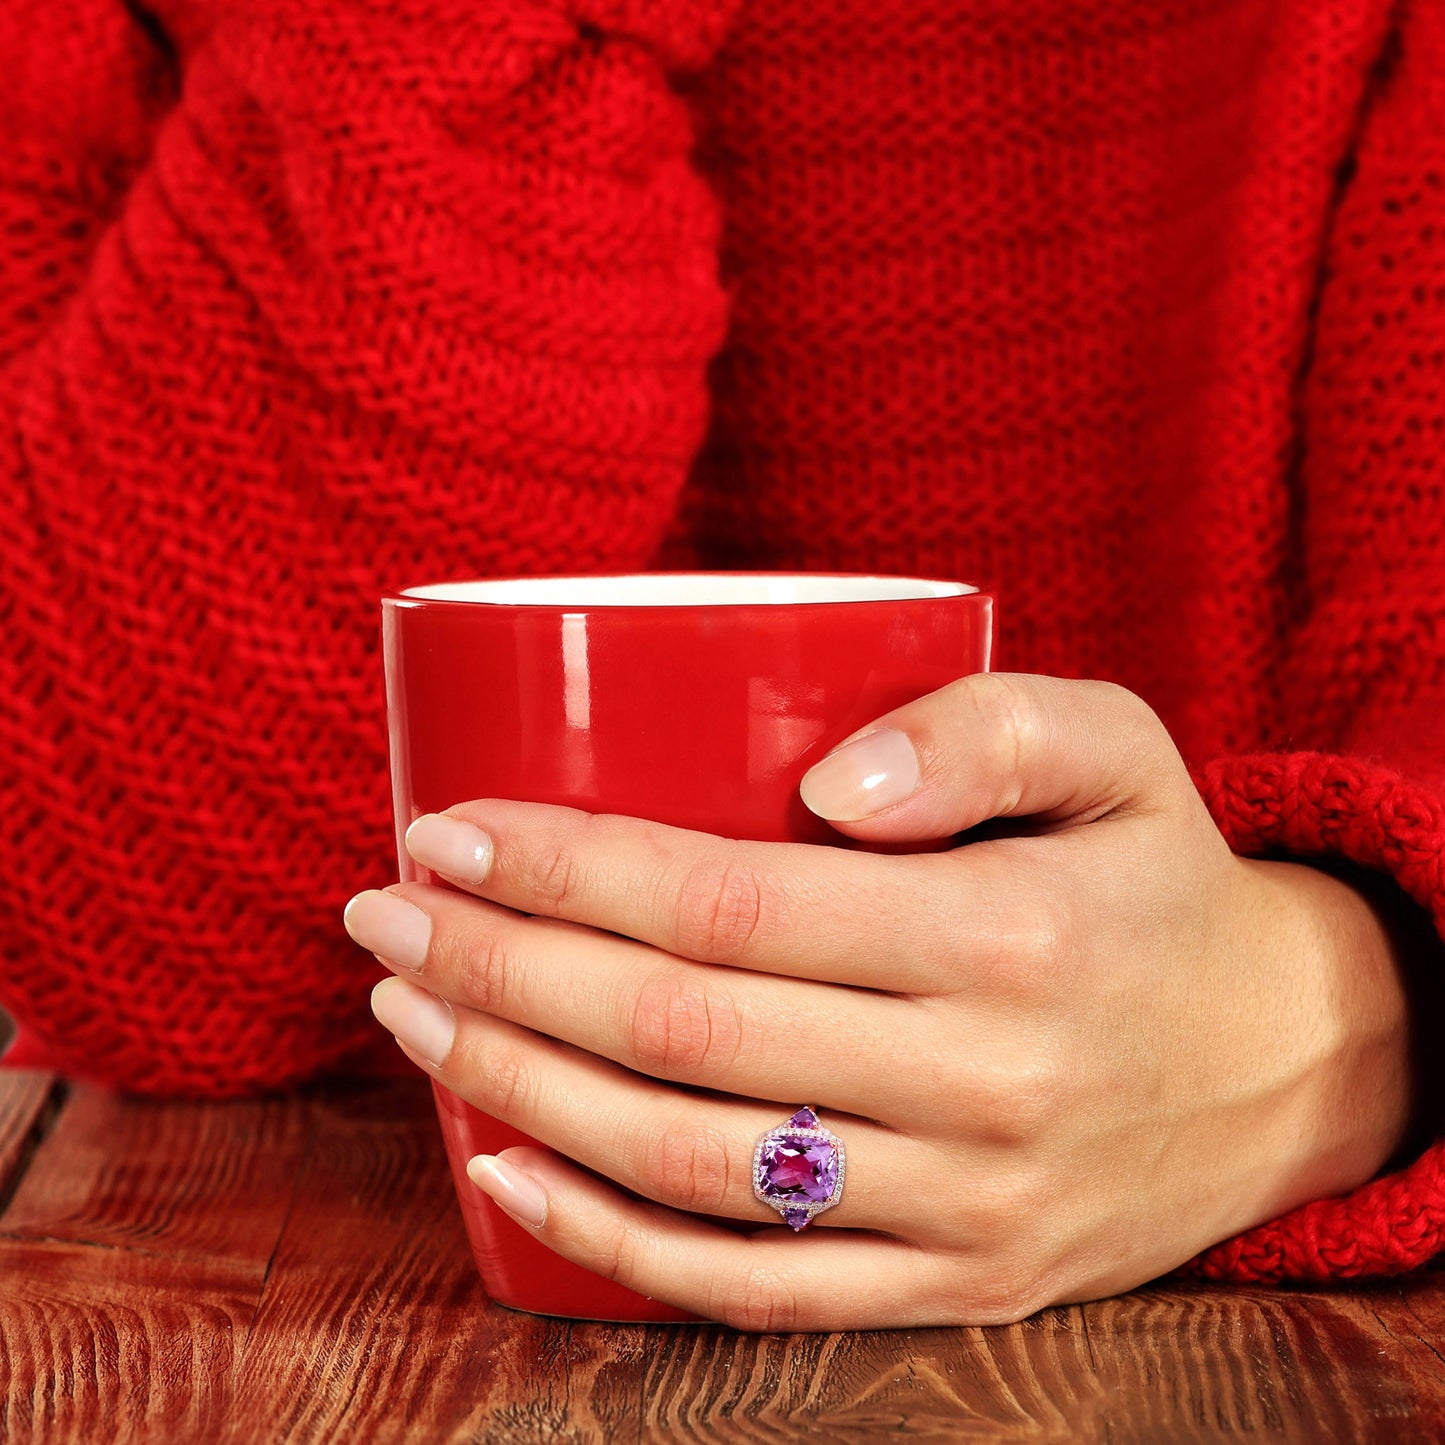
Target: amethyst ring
pixel 798 1168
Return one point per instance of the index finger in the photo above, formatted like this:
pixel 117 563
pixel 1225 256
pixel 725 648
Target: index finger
pixel 800 909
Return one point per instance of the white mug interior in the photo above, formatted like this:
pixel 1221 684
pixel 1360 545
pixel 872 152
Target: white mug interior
pixel 689 589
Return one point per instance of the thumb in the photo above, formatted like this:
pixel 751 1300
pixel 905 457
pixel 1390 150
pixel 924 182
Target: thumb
pixel 996 745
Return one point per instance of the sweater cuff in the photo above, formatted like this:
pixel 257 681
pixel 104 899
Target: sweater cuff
pixel 1306 805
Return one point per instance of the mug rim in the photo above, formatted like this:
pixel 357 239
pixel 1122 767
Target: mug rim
pixel 442 594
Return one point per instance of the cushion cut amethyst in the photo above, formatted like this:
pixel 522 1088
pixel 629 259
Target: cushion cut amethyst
pixel 801 1170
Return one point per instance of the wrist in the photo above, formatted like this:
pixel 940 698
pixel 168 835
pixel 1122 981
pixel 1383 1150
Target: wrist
pixel 1352 1101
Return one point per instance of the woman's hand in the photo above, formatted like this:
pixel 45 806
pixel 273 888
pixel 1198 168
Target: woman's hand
pixel 1064 1057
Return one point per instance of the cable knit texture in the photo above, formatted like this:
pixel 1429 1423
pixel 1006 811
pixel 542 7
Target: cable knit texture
pixel 1134 310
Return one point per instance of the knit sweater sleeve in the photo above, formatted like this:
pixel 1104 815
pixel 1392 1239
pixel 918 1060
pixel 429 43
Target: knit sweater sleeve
pixel 303 299
pixel 1364 684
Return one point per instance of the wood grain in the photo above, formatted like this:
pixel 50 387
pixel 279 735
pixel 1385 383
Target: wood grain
pixel 182 1178
pixel 1197 1363
pixel 113 1345
pixel 372 1270
pixel 294 1270
pixel 132 1253
pixel 28 1105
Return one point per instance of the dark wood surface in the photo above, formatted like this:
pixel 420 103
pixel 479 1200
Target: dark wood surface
pixel 293 1269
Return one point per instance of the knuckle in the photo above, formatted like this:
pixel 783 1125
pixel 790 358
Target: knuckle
pixel 1026 1189
pixel 1011 716
pixel 760 1300
pixel 682 1030
pixel 617 1254
pixel 689 1168
pixel 556 876
pixel 1046 953
pixel 1118 698
pixel 1130 733
pixel 1135 726
pixel 1016 1103
pixel 1034 1100
pixel 1039 939
pixel 482 965
pixel 1005 702
pixel 508 1085
pixel 719 910
pixel 1025 955
pixel 557 880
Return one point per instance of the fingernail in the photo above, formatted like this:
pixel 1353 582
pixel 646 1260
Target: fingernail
pixel 387 924
pixel 519 1194
pixel 420 1020
pixel 870 773
pixel 450 847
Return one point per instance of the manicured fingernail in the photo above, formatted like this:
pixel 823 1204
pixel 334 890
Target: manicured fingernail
pixel 450 847
pixel 870 773
pixel 389 925
pixel 507 1187
pixel 420 1020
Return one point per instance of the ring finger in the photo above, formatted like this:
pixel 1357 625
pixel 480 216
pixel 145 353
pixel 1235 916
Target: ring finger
pixel 690 1151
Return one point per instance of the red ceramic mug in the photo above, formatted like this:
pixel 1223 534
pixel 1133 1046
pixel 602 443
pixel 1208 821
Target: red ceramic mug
pixel 694 699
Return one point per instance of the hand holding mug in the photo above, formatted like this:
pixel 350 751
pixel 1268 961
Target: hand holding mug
pixel 1063 1057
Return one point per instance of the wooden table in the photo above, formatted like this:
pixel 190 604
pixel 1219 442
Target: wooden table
pixel 293 1269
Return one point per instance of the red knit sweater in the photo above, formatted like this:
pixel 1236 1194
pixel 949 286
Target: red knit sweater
pixel 1133 308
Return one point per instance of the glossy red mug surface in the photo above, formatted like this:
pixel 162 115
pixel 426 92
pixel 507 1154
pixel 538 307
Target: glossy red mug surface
pixel 693 699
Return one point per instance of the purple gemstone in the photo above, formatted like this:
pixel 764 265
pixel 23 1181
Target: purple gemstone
pixel 803 1169
pixel 798 1218
pixel 805 1118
